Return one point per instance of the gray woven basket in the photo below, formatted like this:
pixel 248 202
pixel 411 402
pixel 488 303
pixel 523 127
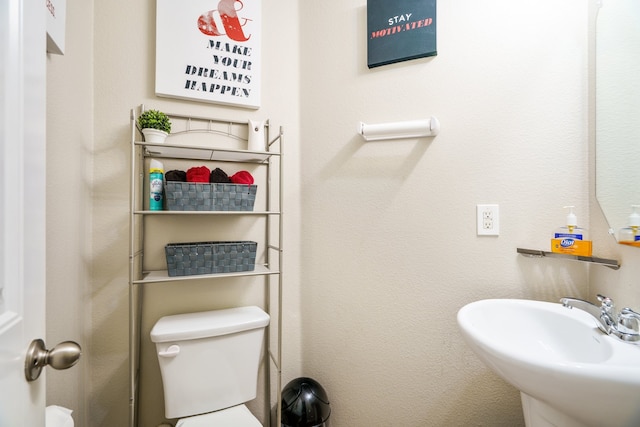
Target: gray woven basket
pixel 196 196
pixel 187 259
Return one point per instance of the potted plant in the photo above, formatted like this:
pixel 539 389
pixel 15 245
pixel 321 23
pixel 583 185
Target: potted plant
pixel 155 125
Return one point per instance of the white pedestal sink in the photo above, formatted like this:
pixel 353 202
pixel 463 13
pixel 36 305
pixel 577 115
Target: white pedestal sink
pixel 569 373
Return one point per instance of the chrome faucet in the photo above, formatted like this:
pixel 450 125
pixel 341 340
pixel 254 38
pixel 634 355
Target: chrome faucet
pixel 624 325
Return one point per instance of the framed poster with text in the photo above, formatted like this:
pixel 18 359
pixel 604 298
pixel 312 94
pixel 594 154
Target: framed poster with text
pixel 400 30
pixel 209 51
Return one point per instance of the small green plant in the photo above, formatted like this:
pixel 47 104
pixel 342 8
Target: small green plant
pixel 154 119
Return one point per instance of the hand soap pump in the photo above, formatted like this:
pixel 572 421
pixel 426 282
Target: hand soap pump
pixel 156 181
pixel 630 235
pixel 571 229
pixel 571 239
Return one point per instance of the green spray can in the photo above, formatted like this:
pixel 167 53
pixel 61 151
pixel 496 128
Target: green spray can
pixel 156 181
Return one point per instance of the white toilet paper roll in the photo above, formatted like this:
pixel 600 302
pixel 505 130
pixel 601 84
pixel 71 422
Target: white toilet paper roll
pixel 396 130
pixel 58 416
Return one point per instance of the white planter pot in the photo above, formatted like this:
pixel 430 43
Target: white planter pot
pixel 154 136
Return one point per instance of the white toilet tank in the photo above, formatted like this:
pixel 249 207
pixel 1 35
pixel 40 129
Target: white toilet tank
pixel 209 360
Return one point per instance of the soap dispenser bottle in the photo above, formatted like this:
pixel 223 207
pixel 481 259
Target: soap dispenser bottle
pixel 630 235
pixel 571 239
pixel 571 229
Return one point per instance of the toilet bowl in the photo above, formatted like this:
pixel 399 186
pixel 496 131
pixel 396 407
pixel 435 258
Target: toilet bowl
pixel 209 365
pixel 234 416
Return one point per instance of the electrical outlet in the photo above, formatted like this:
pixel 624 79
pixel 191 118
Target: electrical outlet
pixel 488 220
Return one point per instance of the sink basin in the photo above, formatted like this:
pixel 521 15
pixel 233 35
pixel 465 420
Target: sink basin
pixel 569 373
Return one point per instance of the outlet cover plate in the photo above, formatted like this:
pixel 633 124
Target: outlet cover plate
pixel 488 220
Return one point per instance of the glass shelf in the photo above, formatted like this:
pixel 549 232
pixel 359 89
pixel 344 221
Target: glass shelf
pixel 534 253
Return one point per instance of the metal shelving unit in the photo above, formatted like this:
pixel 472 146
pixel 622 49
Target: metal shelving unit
pixel 224 141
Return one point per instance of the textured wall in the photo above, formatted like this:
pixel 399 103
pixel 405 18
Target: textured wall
pixel 380 238
pixel 390 251
pixel 69 199
pixel 108 69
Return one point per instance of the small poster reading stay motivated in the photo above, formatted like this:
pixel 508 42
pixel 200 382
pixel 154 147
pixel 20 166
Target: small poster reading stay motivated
pixel 209 51
pixel 400 30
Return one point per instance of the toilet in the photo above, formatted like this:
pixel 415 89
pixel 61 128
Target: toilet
pixel 209 365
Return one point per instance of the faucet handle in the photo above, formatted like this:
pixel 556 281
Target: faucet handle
pixel 629 321
pixel 607 313
pixel 606 302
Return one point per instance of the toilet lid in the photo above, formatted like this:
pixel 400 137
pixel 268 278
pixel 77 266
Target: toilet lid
pixel 236 416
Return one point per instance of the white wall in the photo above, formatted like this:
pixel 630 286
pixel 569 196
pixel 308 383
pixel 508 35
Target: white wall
pixel 390 251
pixel 381 249
pixel 69 200
pixel 107 70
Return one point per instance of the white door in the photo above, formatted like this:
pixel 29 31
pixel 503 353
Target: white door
pixel 22 206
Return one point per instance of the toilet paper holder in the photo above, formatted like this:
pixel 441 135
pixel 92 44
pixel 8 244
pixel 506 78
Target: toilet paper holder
pixel 397 130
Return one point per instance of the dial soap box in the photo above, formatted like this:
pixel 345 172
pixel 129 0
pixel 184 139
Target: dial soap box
pixel 571 246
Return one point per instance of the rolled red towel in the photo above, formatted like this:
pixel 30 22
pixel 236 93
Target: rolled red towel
pixel 242 177
pixel 198 174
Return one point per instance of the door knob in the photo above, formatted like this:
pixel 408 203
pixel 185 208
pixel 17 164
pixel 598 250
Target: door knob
pixel 62 356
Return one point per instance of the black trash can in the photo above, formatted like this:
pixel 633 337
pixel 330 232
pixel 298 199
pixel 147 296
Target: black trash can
pixel 305 404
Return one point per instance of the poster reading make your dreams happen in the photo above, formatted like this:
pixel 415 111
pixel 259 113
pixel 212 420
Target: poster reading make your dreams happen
pixel 209 51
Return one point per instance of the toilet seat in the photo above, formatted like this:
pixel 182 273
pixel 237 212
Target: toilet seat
pixel 236 416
